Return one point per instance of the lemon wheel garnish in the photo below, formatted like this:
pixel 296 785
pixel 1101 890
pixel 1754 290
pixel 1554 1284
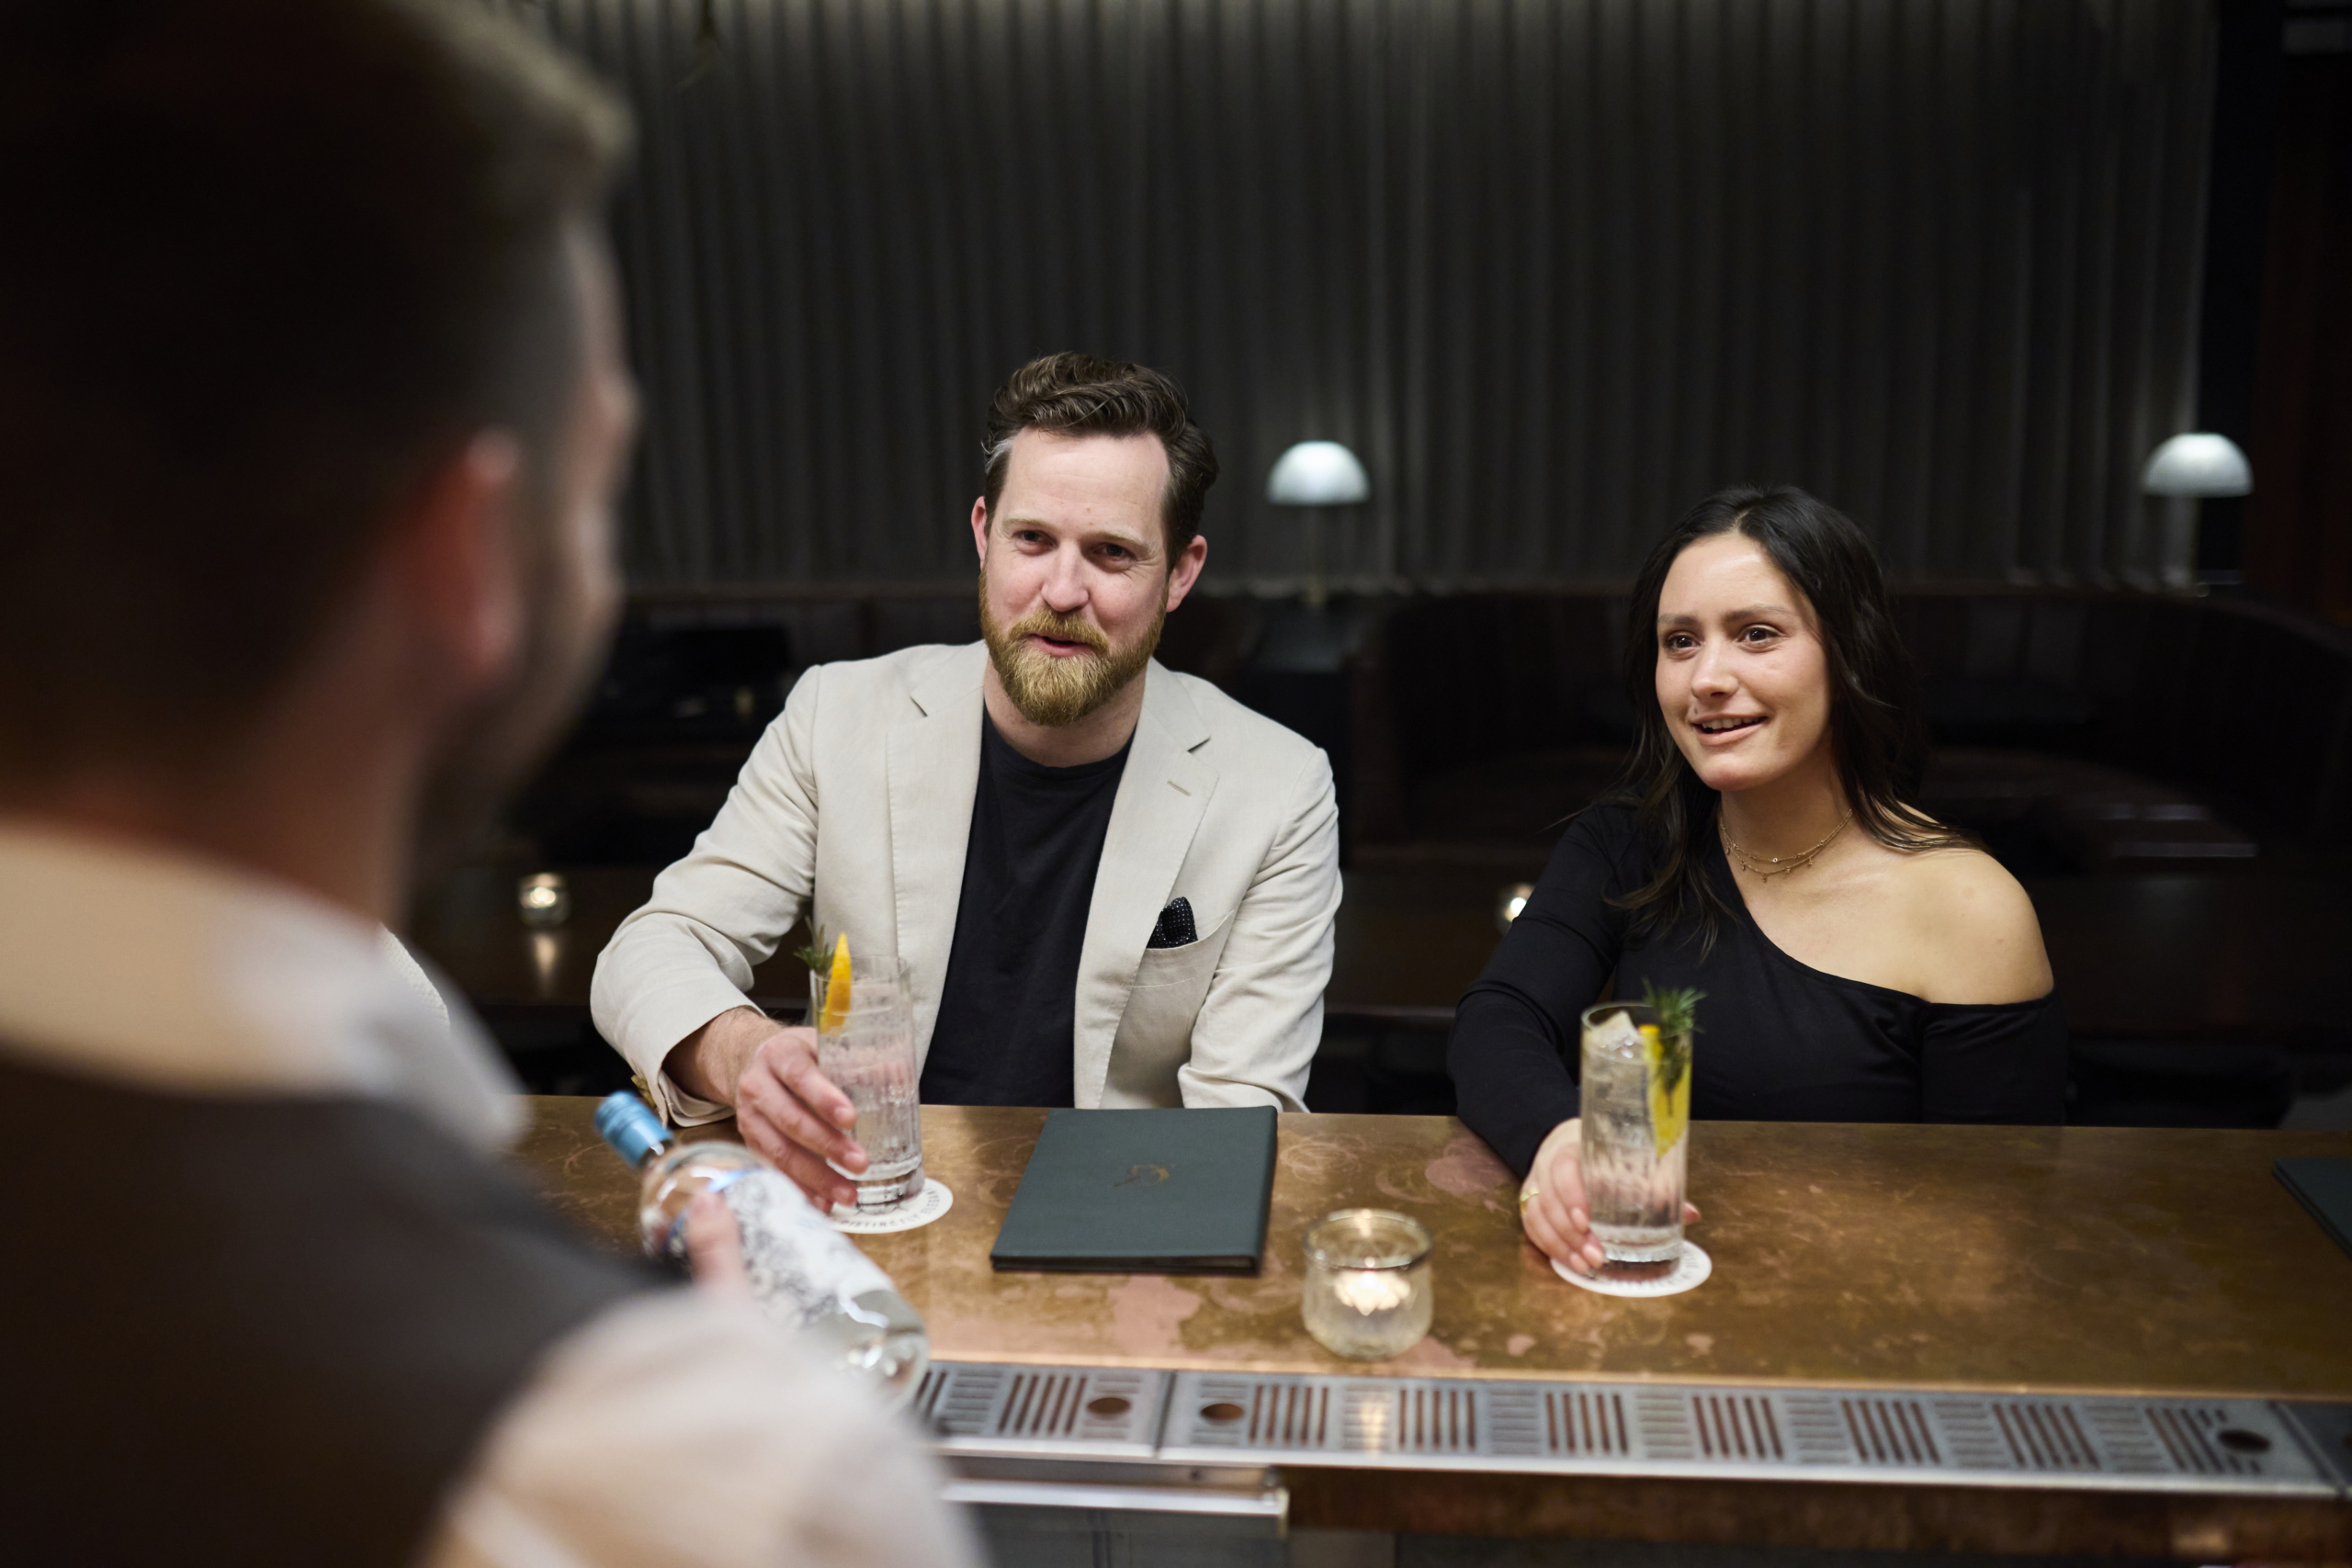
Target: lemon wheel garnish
pixel 836 1013
pixel 1669 1087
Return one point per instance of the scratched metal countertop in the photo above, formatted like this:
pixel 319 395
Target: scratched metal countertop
pixel 2087 1260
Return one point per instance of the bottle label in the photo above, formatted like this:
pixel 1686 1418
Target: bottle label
pixel 801 1268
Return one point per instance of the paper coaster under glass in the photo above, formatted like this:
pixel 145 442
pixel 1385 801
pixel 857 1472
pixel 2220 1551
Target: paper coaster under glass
pixel 925 1206
pixel 1690 1271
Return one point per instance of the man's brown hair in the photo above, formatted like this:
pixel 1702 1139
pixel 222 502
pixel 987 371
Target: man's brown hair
pixel 1077 394
pixel 271 262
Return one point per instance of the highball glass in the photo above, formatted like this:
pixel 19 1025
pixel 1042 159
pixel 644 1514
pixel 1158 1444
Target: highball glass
pixel 1636 1133
pixel 870 1057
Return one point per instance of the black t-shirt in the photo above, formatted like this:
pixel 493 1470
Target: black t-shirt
pixel 1779 1041
pixel 1008 1009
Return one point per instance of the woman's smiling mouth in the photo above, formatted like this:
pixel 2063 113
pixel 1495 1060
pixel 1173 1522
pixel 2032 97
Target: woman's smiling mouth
pixel 1726 726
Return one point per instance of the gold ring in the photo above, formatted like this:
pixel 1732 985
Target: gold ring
pixel 1526 1196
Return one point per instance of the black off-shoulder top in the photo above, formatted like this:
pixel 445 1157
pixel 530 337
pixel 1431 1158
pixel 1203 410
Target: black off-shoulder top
pixel 1777 1041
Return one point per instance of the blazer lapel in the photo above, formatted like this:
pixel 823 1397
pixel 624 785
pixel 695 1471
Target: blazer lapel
pixel 934 774
pixel 1162 794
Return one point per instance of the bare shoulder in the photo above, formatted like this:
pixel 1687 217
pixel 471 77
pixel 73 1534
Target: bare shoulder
pixel 1978 938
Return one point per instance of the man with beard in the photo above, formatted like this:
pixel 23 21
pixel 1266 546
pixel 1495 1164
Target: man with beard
pixel 311 414
pixel 1111 884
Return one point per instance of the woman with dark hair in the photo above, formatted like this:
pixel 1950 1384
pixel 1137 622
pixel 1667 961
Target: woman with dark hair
pixel 1862 962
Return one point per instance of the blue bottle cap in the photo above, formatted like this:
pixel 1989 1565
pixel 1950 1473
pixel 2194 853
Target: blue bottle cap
pixel 629 1125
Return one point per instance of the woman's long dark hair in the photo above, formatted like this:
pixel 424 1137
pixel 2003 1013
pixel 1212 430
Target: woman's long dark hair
pixel 1881 747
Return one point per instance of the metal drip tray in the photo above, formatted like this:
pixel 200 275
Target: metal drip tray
pixel 1064 1412
pixel 2241 1447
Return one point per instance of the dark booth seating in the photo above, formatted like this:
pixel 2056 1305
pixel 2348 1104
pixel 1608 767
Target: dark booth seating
pixel 2156 769
pixel 2129 739
pixel 2093 732
pixel 694 679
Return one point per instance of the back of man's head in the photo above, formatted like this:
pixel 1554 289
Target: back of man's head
pixel 271 261
pixel 1076 394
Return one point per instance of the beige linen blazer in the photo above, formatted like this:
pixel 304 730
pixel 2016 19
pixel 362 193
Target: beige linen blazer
pixel 1217 805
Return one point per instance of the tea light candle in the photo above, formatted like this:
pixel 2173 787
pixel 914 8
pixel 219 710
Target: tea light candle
pixel 1368 1293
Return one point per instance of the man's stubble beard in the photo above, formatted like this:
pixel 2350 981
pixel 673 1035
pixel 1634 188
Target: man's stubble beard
pixel 1056 693
pixel 493 749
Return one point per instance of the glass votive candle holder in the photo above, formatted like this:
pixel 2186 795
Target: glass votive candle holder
pixel 1368 1293
pixel 544 900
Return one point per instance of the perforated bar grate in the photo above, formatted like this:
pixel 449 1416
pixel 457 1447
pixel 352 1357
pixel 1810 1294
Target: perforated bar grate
pixel 1622 1428
pixel 1670 1429
pixel 1098 1411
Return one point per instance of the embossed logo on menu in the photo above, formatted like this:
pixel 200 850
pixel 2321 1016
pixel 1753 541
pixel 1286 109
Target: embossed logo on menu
pixel 1143 1176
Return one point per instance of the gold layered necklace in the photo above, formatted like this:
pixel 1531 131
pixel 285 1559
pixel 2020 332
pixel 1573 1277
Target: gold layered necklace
pixel 1776 865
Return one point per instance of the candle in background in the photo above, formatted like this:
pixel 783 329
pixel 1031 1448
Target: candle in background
pixel 544 900
pixel 1368 1293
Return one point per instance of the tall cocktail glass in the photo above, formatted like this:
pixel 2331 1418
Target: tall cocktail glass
pixel 868 1052
pixel 1636 1132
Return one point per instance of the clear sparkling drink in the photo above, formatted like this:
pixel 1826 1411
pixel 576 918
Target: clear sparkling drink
pixel 867 1050
pixel 875 1065
pixel 1634 1134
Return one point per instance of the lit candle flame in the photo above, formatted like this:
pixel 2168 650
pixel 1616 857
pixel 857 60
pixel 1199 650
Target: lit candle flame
pixel 1369 1291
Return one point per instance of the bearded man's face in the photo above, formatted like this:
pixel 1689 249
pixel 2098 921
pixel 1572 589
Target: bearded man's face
pixel 1075 576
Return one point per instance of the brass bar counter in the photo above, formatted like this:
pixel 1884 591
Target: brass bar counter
pixel 1980 1260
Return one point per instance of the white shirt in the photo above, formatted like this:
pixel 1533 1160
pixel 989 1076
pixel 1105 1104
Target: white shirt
pixel 674 1429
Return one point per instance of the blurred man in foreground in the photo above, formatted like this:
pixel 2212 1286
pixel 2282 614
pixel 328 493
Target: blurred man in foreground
pixel 311 410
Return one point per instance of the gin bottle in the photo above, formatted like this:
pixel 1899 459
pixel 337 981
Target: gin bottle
pixel 804 1273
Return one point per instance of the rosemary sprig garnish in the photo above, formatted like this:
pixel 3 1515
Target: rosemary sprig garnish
pixel 1678 1021
pixel 817 953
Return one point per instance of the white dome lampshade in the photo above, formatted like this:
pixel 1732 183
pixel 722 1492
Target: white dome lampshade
pixel 2199 463
pixel 1318 473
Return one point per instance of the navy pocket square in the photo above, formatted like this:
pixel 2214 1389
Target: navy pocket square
pixel 1175 927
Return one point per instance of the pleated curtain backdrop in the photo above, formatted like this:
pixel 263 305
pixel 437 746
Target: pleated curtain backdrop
pixel 1554 268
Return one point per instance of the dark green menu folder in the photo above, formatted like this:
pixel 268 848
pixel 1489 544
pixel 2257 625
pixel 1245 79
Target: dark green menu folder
pixel 1143 1192
pixel 2325 1187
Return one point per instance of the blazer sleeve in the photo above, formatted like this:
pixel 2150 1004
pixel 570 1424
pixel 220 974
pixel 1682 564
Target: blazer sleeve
pixel 1254 1038
pixel 688 954
pixel 1516 1024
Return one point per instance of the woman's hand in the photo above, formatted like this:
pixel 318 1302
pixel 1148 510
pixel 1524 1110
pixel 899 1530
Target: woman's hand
pixel 1551 1201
